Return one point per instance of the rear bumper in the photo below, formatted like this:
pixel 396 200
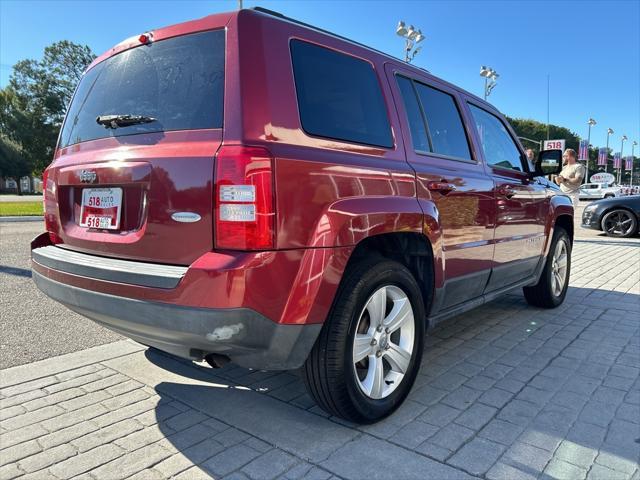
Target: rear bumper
pixel 245 336
pixel 238 306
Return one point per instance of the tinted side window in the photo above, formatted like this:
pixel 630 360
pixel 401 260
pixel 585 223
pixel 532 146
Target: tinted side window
pixel 444 122
pixel 339 96
pixel 414 115
pixel 498 146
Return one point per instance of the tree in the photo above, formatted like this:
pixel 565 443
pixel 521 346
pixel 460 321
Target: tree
pixel 12 163
pixel 538 131
pixel 33 105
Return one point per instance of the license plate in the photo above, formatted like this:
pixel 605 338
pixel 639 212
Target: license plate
pixel 100 208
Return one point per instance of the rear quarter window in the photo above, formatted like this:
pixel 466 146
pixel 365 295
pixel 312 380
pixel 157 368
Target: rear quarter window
pixel 444 123
pixel 178 81
pixel 339 96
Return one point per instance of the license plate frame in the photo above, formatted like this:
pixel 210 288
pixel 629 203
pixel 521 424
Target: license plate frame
pixel 100 208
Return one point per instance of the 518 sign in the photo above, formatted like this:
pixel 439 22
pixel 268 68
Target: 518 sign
pixel 553 145
pixel 103 201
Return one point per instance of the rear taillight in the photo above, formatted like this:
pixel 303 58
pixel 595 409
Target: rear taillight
pixel 48 194
pixel 244 204
pixel 45 177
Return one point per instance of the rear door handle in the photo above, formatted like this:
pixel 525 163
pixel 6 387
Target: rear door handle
pixel 442 186
pixel 506 191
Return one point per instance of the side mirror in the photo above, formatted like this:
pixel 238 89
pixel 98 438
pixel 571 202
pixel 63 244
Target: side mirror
pixel 549 162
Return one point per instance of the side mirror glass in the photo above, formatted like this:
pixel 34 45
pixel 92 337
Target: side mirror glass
pixel 549 162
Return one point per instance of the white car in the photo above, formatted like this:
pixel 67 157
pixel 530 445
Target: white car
pixel 592 191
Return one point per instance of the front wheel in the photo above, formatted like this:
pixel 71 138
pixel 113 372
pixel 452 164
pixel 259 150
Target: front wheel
pixel 619 223
pixel 369 351
pixel 552 287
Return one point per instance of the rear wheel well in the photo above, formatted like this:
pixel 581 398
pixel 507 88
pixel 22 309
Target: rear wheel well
pixel 566 222
pixel 410 249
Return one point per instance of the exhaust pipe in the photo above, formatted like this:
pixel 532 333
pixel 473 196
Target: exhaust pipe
pixel 215 360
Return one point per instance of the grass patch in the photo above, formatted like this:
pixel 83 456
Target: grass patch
pixel 20 209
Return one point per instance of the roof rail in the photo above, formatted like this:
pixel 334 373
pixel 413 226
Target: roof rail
pixel 266 11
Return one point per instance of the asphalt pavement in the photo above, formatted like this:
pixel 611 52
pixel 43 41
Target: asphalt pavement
pixel 32 326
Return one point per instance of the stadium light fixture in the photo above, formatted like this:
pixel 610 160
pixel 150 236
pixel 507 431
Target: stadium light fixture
pixel 412 37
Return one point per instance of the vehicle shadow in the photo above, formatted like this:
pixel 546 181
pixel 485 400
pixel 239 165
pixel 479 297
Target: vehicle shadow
pixel 529 380
pixel 18 272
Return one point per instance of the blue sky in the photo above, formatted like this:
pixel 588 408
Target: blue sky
pixel 591 49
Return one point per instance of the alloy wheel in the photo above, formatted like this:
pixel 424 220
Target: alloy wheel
pixel 559 268
pixel 384 341
pixel 618 223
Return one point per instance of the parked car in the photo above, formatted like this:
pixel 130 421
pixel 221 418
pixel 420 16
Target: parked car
pixel 617 217
pixel 592 191
pixel 249 188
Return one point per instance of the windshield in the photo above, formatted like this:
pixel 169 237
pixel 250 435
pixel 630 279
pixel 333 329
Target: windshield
pixel 178 82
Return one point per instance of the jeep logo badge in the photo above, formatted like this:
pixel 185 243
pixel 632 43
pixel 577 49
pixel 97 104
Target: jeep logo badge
pixel 88 176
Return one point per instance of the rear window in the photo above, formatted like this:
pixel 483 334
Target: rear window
pixel 178 81
pixel 339 96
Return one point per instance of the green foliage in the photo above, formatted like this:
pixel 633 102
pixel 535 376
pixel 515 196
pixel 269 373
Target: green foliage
pixel 538 131
pixel 32 106
pixel 11 159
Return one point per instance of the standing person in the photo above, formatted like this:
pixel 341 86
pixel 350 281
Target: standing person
pixel 531 158
pixel 571 176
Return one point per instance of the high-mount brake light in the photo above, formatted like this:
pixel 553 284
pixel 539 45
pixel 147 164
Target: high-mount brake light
pixel 244 204
pixel 145 38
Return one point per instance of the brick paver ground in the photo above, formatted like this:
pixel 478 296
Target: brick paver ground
pixel 506 391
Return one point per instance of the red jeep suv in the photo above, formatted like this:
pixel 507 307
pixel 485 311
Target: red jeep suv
pixel 246 187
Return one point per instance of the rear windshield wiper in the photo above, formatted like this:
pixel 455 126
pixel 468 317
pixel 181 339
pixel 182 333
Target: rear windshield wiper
pixel 115 121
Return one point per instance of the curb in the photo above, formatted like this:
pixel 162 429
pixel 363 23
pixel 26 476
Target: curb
pixel 68 361
pixel 25 218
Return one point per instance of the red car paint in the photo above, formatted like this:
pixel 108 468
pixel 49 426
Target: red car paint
pixel 329 195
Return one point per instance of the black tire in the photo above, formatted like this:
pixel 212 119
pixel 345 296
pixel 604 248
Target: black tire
pixel 329 372
pixel 542 294
pixel 608 195
pixel 612 223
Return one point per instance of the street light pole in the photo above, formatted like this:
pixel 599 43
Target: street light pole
pixel 606 163
pixel 624 137
pixel 489 74
pixel 633 146
pixel 591 122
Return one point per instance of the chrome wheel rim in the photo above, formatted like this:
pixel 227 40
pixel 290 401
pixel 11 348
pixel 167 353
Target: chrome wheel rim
pixel 383 343
pixel 618 224
pixel 559 268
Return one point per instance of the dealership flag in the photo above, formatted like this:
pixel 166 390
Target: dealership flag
pixel 582 155
pixel 602 156
pixel 629 163
pixel 616 160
